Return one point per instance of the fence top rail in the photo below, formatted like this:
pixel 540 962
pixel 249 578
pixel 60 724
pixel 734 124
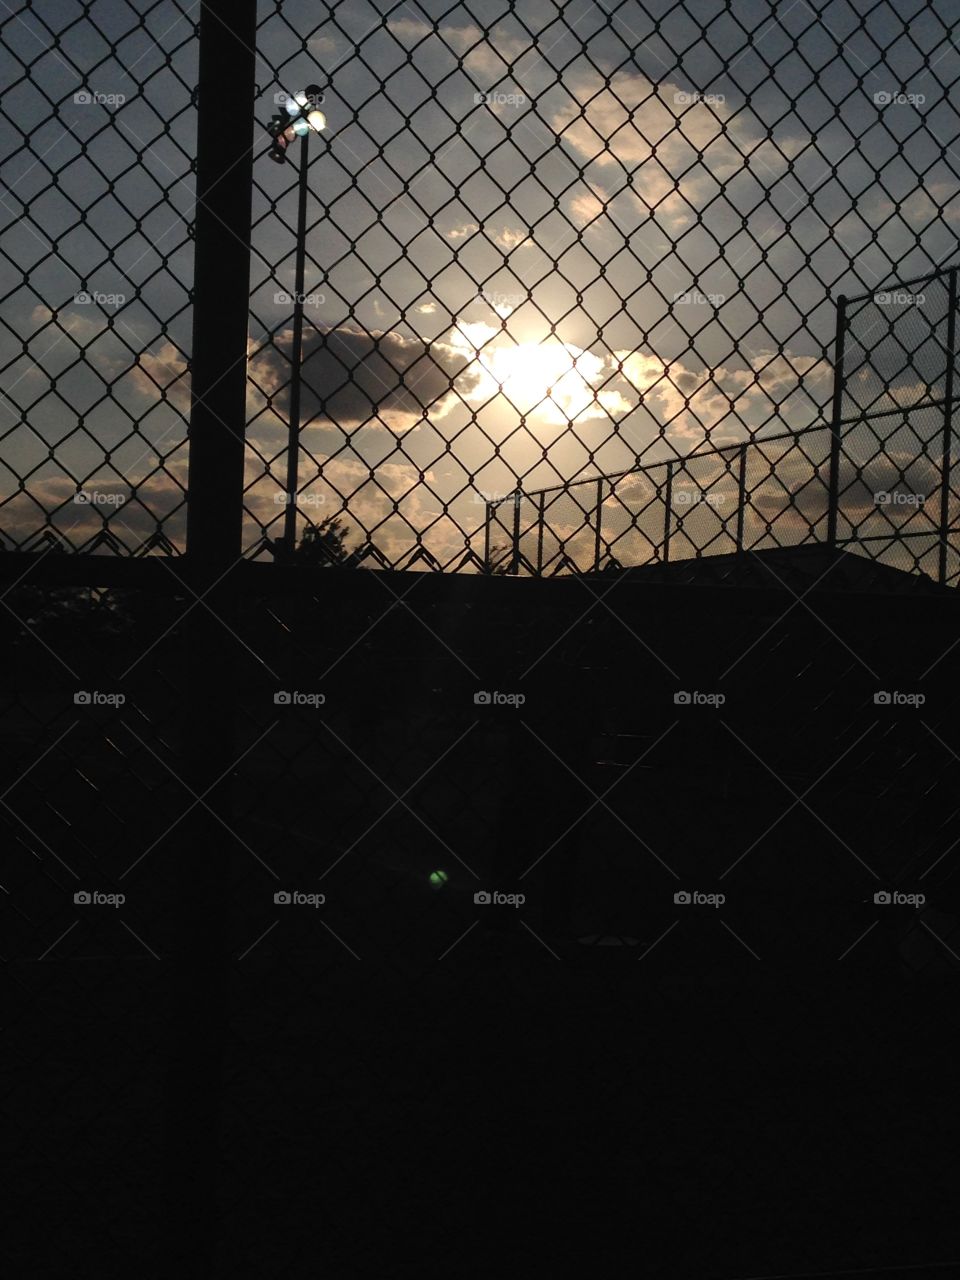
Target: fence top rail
pixel 891 285
pixel 664 462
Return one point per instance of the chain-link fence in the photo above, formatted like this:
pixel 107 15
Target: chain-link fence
pixel 591 248
pixel 896 483
pixel 524 249
pixel 540 247
pixel 879 481
pixel 98 144
pixel 754 496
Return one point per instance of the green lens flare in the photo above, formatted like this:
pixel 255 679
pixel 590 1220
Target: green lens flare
pixel 438 878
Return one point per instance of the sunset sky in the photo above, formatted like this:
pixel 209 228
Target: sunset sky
pixel 545 242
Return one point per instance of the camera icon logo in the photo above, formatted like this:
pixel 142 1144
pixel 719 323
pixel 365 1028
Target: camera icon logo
pixel 681 699
pixel 83 97
pixel 881 699
pixel 82 898
pixel 883 99
pixel 82 699
pixel 282 698
pixel 682 898
pixel 282 898
pixel 482 699
pixel 482 898
pixel 882 898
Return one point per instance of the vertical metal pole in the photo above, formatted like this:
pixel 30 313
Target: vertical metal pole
pixel 947 454
pixel 296 361
pixel 741 494
pixel 221 281
pixel 195 856
pixel 515 565
pixel 596 549
pixel 668 505
pixel 541 519
pixel 833 497
pixel 487 567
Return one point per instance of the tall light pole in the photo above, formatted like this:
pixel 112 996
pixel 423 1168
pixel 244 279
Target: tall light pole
pixel 301 118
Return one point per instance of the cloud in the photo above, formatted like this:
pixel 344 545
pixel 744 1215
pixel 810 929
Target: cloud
pixel 506 238
pixel 510 237
pixel 164 370
pixel 923 206
pixel 678 152
pixel 485 54
pixel 785 390
pixel 584 208
pixel 151 372
pixel 321 44
pixel 351 377
pixel 130 514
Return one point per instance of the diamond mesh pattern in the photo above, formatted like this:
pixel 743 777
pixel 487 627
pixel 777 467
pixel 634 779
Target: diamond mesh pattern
pixel 896 494
pixel 539 247
pixel 545 246
pixel 97 134
pixel 768 493
pixel 661 419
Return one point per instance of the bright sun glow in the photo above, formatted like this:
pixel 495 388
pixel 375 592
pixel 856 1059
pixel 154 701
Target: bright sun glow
pixel 548 378
pixel 528 374
pixel 554 383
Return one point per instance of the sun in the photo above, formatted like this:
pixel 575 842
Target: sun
pixel 535 376
pixel 552 382
pixel 529 373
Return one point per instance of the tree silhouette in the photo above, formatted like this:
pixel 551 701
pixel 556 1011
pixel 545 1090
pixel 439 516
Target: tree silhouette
pixel 323 543
pixel 499 559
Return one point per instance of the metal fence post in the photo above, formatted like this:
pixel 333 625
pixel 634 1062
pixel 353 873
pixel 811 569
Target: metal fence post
pixel 198 848
pixel 833 498
pixel 741 494
pixel 541 518
pixel 668 505
pixel 948 394
pixel 487 568
pixel 596 549
pixel 296 359
pixel 515 563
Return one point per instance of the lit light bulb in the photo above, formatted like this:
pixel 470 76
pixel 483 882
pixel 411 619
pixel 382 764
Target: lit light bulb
pixel 303 115
pixel 314 119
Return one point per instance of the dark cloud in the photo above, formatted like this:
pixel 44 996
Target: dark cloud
pixel 350 376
